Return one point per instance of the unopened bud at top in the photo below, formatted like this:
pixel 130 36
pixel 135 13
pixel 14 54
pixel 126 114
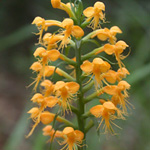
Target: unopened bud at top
pixel 55 3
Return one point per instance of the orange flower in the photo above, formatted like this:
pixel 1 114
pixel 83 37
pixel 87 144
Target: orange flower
pixel 96 13
pixel 50 41
pixel 66 7
pixel 39 67
pixel 46 72
pixel 36 66
pixel 107 113
pixel 97 68
pixel 34 113
pixel 37 114
pixel 116 49
pixel 46 56
pixel 49 70
pixel 118 96
pixel 47 87
pixel 46 117
pixel 121 73
pixel 104 34
pixel 56 3
pixel 70 29
pixel 67 24
pixel 44 102
pixel 49 131
pixel 43 24
pixel 73 138
pixel 112 76
pixel 65 92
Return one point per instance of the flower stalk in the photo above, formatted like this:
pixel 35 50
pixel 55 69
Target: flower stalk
pixel 81 107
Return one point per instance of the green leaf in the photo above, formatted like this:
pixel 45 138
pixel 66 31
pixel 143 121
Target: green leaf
pixel 18 134
pixel 139 74
pixel 39 141
pixel 17 37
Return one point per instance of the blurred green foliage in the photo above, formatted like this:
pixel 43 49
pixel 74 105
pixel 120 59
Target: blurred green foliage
pixel 17 46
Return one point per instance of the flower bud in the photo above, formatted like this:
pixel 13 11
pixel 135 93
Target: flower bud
pixel 38 21
pixel 55 3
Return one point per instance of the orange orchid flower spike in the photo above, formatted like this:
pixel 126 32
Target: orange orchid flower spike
pixel 97 68
pixel 70 93
pixel 104 34
pixel 95 14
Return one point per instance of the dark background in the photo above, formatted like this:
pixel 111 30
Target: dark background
pixel 17 43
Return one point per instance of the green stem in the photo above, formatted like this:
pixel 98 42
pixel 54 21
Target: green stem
pixel 84 24
pixel 91 97
pixel 89 55
pixel 74 109
pixel 66 75
pixel 67 122
pixel 88 86
pixel 86 115
pixel 81 122
pixel 88 36
pixel 89 126
pixel 68 60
